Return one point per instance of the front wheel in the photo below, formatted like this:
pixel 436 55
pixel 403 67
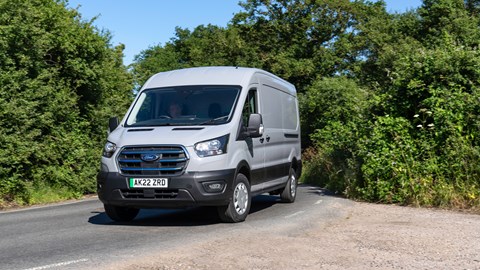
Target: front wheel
pixel 289 193
pixel 119 213
pixel 239 206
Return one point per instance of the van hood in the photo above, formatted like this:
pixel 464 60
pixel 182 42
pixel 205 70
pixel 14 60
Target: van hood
pixel 181 135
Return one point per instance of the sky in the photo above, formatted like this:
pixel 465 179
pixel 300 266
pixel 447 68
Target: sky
pixel 141 24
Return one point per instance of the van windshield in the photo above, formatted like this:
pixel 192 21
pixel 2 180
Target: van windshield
pixel 184 105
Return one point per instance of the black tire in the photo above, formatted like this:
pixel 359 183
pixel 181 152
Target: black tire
pixel 239 206
pixel 289 193
pixel 119 213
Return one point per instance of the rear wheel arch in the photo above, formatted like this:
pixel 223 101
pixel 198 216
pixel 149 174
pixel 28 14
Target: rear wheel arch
pixel 296 165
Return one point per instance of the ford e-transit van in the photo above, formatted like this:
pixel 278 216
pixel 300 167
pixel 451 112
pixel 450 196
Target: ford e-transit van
pixel 208 136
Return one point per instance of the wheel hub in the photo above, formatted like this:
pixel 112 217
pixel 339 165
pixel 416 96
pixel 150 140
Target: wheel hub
pixel 293 185
pixel 240 198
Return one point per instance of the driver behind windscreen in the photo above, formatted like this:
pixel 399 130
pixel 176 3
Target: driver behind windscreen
pixel 174 110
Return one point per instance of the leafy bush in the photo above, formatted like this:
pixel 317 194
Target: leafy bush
pixel 333 113
pixel 330 100
pixel 420 142
pixel 57 74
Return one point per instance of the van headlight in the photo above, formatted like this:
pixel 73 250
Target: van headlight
pixel 109 149
pixel 212 147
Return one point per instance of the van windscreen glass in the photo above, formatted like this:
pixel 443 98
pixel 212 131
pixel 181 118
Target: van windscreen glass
pixel 184 105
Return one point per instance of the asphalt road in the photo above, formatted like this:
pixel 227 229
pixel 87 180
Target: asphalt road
pixel 78 235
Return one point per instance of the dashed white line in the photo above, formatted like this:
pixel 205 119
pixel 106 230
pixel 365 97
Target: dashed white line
pixel 57 264
pixel 319 202
pixel 295 214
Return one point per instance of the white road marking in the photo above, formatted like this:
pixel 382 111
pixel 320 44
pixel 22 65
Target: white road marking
pixel 28 208
pixel 319 202
pixel 57 264
pixel 295 214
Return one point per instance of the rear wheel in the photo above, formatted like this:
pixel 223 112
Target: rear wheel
pixel 239 206
pixel 289 193
pixel 119 213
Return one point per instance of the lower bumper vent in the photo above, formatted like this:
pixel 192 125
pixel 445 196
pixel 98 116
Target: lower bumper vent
pixel 149 193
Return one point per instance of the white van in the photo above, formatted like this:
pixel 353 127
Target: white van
pixel 208 136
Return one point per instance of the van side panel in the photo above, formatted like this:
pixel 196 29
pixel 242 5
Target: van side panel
pixel 280 117
pixel 276 163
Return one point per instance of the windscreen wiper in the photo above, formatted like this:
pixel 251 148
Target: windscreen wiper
pixel 213 120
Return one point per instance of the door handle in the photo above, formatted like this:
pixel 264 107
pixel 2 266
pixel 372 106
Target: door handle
pixel 268 138
pixel 261 140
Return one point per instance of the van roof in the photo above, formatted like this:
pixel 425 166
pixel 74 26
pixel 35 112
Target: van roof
pixel 225 75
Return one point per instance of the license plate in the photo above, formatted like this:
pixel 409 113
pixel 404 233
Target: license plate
pixel 148 182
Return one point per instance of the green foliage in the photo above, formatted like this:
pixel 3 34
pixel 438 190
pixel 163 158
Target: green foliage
pixel 302 40
pixel 328 100
pixel 332 163
pixel 60 80
pixel 41 194
pixel 419 142
pixel 333 114
pixel 388 157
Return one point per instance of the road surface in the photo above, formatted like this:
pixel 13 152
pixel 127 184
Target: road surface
pixel 80 235
pixel 318 231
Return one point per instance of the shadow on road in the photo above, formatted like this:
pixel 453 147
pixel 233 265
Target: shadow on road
pixel 198 216
pixel 320 191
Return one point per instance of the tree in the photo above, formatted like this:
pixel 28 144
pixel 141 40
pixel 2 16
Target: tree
pixel 57 73
pixel 303 40
pixel 204 46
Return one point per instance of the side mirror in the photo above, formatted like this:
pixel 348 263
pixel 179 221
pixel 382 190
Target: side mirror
pixel 255 125
pixel 112 123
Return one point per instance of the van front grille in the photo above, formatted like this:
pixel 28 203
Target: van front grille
pixel 152 160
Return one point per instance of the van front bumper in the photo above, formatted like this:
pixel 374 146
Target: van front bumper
pixel 188 189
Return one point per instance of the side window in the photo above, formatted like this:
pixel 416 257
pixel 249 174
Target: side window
pixel 250 106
